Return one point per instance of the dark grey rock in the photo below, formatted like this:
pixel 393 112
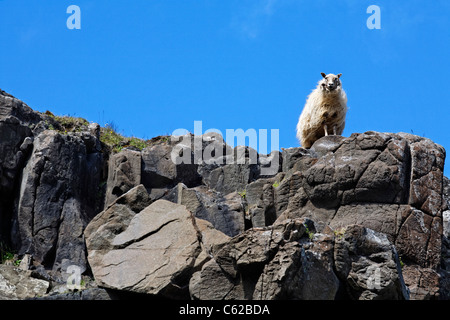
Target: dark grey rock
pixel 368 264
pixel 446 192
pixel 225 213
pixel 159 171
pixel 276 262
pixel 124 173
pixel 15 145
pixel 87 294
pixel 57 198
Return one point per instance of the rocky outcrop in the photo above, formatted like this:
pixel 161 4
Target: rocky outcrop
pixel 288 261
pixel 373 199
pixel 363 217
pixel 152 249
pixel 369 265
pixel 17 284
pixel 57 197
pixel 49 188
pixel 276 262
pixel 388 185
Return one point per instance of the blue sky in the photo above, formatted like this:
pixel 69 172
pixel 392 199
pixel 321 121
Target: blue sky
pixel 153 66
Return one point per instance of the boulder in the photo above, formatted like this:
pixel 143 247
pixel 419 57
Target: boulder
pixel 154 251
pixel 102 229
pixel 16 284
pixel 366 180
pixel 427 167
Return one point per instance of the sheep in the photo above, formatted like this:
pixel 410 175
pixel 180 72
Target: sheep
pixel 324 111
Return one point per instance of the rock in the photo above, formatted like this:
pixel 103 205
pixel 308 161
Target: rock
pixel 427 166
pixel 153 167
pixel 225 213
pixel 159 171
pixel 259 196
pixel 303 272
pixel 327 144
pixel 368 264
pixel 423 283
pixel 25 262
pixel 364 170
pixel 229 178
pixel 12 107
pixel 269 263
pixel 391 183
pixel 211 240
pixel 88 294
pixel 419 238
pixel 121 261
pixel 446 223
pixel 369 167
pixel 163 227
pixel 446 193
pixel 124 173
pixel 17 284
pixel 57 198
pixel 15 144
pixel 385 218
pixel 419 243
pixel 330 222
pixel 292 156
pixel 102 229
pixel 444 270
pixel 213 284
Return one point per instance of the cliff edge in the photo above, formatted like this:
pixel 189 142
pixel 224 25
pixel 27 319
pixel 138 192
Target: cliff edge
pixel 363 217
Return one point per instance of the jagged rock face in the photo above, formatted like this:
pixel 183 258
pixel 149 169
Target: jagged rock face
pixel 277 262
pixel 368 262
pixel 15 147
pixel 152 249
pixel 57 199
pixel 391 183
pixel 446 192
pixel 49 187
pixel 363 217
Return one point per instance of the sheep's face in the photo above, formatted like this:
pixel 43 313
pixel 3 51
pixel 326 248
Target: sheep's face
pixel 330 82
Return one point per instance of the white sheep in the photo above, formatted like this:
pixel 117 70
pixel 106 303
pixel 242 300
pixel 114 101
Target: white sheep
pixel 325 110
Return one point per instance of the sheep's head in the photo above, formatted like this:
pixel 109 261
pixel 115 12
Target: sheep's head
pixel 330 82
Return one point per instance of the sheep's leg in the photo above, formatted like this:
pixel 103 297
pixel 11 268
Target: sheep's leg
pixel 325 127
pixel 334 130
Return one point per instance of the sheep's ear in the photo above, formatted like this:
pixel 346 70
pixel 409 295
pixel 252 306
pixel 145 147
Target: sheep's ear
pixel 323 74
pixel 339 75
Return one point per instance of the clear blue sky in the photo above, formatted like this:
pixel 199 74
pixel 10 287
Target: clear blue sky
pixel 152 66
